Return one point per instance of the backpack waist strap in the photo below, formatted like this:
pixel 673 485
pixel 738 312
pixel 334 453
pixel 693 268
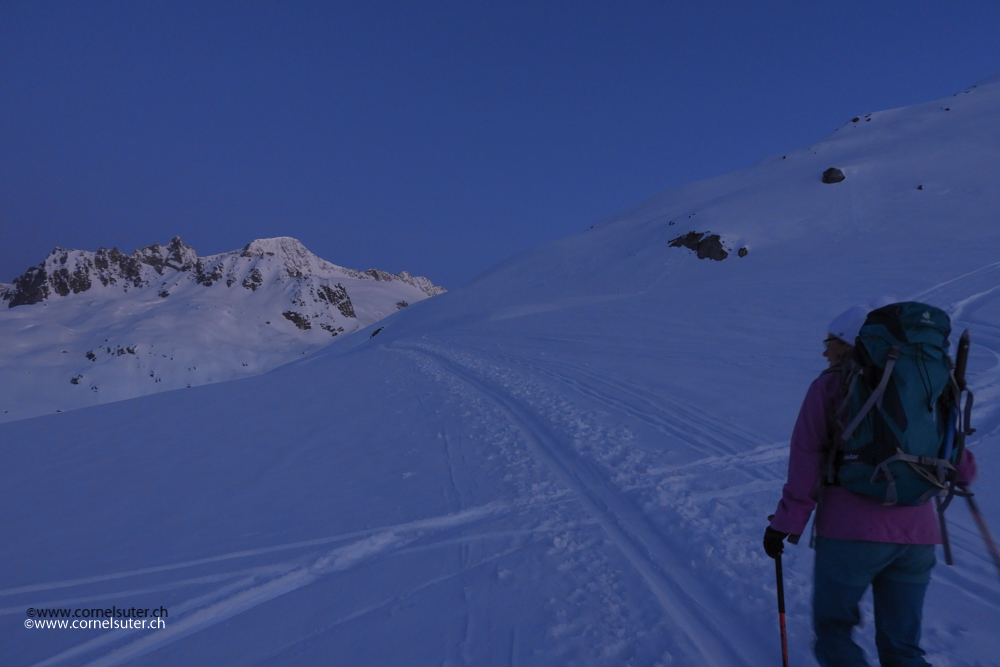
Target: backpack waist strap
pixel 938 480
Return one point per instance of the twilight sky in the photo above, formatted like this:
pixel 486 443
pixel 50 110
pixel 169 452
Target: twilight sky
pixel 438 137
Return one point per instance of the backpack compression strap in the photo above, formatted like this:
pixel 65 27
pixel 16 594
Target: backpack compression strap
pixel 876 396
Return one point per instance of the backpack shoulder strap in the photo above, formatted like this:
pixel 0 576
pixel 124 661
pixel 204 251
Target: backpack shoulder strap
pixel 876 396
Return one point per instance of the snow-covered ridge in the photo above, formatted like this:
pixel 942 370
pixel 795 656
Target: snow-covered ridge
pixel 90 327
pixel 67 272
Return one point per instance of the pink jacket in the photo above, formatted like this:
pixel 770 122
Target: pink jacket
pixel 842 514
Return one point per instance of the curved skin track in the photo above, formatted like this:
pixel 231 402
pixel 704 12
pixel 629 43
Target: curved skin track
pixel 700 625
pixel 669 416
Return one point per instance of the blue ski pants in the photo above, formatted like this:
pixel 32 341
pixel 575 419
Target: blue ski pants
pixel 898 575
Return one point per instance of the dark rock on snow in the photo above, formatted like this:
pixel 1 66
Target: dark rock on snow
pixel 337 296
pixel 705 245
pixel 297 319
pixel 833 175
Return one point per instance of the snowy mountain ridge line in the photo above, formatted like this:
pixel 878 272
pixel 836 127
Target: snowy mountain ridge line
pixel 84 328
pixel 67 272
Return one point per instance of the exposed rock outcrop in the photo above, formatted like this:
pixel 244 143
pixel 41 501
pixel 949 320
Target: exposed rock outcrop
pixel 705 244
pixel 337 296
pixel 66 272
pixel 297 319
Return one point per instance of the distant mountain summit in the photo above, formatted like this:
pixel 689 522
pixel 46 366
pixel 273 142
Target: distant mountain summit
pixel 90 327
pixel 66 272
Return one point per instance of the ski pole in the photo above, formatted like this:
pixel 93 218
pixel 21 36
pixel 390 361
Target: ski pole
pixel 984 530
pixel 781 610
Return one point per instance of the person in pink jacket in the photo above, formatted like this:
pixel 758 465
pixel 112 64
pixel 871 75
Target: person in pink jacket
pixel 859 542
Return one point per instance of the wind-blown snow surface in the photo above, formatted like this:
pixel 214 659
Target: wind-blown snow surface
pixel 86 328
pixel 568 461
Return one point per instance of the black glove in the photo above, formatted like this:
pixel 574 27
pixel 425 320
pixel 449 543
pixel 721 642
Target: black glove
pixel 774 542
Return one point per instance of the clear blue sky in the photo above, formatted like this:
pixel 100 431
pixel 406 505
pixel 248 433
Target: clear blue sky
pixel 436 137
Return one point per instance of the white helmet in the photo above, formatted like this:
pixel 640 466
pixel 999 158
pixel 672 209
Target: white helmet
pixel 847 325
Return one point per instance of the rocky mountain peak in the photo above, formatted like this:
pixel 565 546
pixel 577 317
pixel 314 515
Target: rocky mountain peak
pixel 280 246
pixel 66 272
pixel 294 258
pixel 176 255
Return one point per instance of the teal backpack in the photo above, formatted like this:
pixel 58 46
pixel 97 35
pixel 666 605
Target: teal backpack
pixel 903 426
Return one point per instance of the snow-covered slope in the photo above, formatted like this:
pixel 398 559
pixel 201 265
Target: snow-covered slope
pixel 84 328
pixel 568 461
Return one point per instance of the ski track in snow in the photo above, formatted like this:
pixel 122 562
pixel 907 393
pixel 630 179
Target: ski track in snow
pixel 439 522
pixel 757 469
pixel 673 417
pixel 390 600
pixel 572 550
pixel 263 583
pixel 692 610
